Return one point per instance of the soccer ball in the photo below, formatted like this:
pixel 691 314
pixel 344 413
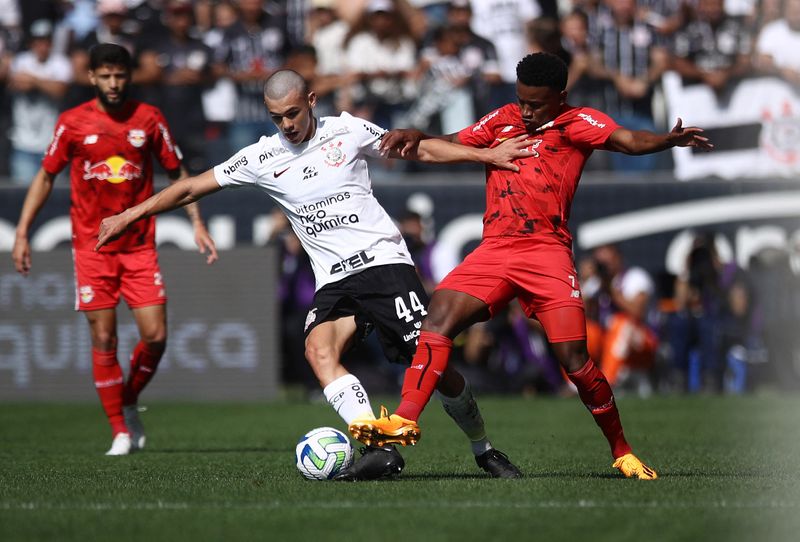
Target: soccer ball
pixel 322 453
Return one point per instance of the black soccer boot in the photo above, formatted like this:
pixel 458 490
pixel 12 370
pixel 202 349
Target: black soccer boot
pixel 497 464
pixel 376 462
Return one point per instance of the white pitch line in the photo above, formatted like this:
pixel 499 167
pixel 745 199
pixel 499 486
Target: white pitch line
pixel 337 505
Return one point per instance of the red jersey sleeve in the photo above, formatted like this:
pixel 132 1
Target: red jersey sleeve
pixel 164 147
pixel 482 133
pixel 58 152
pixel 591 128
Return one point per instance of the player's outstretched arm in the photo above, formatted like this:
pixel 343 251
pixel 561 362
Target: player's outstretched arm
pixel 644 142
pixel 415 145
pixel 38 192
pixel 176 195
pixel 203 240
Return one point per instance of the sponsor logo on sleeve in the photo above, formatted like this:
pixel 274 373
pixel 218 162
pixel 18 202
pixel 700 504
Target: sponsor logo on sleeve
pixel 167 137
pixel 485 119
pixel 90 139
pixel 588 118
pixel 237 162
pixel 56 137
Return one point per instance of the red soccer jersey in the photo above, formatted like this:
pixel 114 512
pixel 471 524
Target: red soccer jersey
pixel 537 200
pixel 111 168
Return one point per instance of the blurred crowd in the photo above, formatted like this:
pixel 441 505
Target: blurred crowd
pixel 431 64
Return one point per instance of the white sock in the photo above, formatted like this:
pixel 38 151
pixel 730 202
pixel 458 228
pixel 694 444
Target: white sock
pixel 464 411
pixel 348 398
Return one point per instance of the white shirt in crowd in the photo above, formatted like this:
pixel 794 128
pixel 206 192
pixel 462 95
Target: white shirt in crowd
pixel 634 281
pixel 503 23
pixel 781 43
pixel 34 113
pixel 324 188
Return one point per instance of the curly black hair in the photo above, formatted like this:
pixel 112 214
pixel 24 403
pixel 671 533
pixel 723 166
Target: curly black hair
pixel 109 53
pixel 542 70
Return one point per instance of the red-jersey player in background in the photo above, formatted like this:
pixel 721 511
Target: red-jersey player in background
pixel 526 250
pixel 108 143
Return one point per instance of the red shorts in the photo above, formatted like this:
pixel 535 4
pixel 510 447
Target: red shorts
pixel 100 277
pixel 539 274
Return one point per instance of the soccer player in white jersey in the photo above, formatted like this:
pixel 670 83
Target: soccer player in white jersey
pixel 315 170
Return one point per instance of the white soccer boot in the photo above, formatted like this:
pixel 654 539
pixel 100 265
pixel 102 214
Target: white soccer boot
pixel 131 413
pixel 121 445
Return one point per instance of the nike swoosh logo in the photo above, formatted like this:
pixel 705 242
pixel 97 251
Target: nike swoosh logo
pixel 279 173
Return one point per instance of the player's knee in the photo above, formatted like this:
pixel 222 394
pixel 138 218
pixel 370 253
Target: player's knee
pixel 572 355
pixel 320 355
pixel 105 341
pixel 155 339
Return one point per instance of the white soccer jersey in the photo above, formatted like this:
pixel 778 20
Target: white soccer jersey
pixel 324 188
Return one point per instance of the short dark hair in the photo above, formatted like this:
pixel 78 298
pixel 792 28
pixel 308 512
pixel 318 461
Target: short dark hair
pixel 109 53
pixel 542 70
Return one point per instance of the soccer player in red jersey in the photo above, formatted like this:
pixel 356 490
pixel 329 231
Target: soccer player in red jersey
pixel 108 143
pixel 526 250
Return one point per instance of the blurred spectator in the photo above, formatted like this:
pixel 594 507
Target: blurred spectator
pixel 303 60
pixel 583 88
pixel 665 17
pixel 251 49
pixel 594 287
pixel 543 35
pixel 477 54
pixel 10 16
pixel 629 61
pixel 296 293
pixel 327 32
pixel 778 46
pixel 714 48
pixel 700 329
pixel 38 81
pixel 145 19
pixel 219 101
pixel 385 87
pixel 629 345
pixel 443 88
pixel 412 228
pixel 110 29
pixel 765 12
pixel 8 44
pixel 184 63
pixel 503 23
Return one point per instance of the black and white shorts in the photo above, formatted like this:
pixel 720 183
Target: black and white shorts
pixel 387 298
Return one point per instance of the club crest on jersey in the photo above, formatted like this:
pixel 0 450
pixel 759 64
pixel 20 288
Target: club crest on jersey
pixel 333 154
pixel 86 293
pixel 137 138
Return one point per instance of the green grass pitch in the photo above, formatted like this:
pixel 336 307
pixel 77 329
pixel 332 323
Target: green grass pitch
pixel 729 468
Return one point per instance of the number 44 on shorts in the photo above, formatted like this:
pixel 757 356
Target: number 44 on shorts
pixel 403 312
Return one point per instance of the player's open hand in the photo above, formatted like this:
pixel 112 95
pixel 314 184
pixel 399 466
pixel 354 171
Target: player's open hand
pixel 21 254
pixel 506 153
pixel 689 137
pixel 111 227
pixel 404 141
pixel 205 243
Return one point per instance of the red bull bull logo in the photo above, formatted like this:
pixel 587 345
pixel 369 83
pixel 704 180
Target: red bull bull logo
pixel 114 169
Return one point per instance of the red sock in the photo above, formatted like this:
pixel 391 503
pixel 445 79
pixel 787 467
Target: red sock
pixel 144 362
pixel 430 361
pixel 596 394
pixel 108 381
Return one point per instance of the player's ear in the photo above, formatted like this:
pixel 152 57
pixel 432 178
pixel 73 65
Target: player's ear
pixel 312 99
pixel 563 97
